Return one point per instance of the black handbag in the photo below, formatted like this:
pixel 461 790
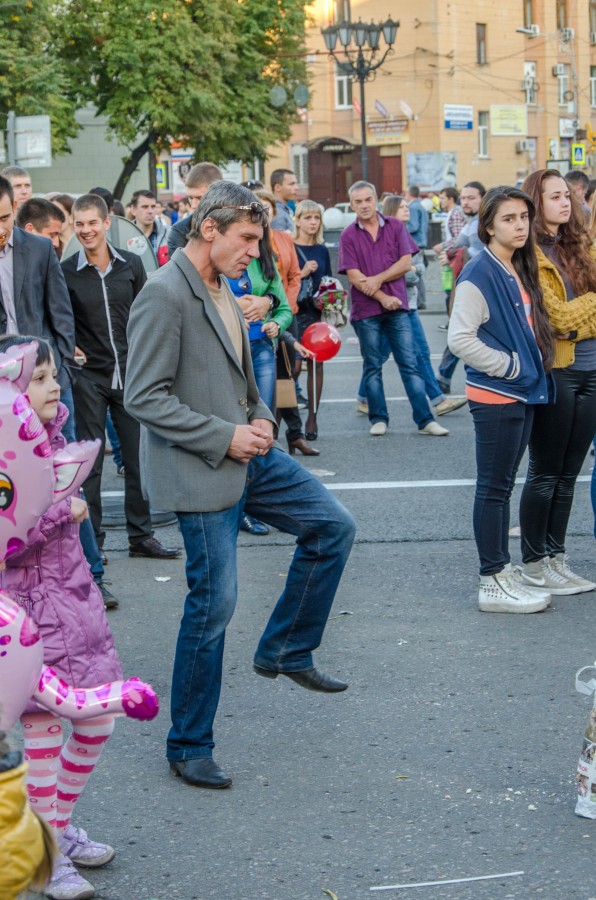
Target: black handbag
pixel 307 285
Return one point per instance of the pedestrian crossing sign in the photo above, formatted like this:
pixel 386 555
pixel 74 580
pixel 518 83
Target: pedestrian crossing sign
pixel 578 155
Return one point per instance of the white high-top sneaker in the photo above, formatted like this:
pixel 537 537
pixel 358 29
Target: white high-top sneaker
pixel 558 562
pixel 541 574
pixel 516 577
pixel 502 593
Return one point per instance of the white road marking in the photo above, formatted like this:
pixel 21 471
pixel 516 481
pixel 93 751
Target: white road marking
pixel 397 485
pixel 389 485
pixel 353 399
pixel 350 359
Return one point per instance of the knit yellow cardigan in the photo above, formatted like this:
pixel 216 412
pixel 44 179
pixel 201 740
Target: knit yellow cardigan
pixel 565 315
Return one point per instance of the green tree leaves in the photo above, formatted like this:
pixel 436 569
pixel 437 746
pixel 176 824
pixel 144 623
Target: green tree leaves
pixel 33 79
pixel 193 71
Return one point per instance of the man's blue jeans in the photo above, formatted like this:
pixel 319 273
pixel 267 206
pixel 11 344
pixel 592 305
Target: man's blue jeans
pixel 280 492
pixel 431 385
pixel 397 329
pixel 447 365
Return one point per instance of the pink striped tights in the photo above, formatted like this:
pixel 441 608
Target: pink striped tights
pixel 58 774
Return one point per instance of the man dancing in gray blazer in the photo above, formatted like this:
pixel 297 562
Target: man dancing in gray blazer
pixel 208 451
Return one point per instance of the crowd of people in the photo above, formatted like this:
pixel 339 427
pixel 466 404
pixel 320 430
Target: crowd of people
pixel 243 275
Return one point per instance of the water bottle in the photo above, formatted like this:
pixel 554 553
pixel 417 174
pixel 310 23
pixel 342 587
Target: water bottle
pixel 447 278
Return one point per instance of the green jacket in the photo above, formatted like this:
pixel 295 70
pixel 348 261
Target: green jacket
pixel 282 316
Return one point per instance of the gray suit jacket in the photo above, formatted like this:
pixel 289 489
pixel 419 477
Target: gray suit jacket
pixel 185 385
pixel 41 298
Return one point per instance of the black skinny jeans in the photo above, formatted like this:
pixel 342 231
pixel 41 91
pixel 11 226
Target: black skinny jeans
pixel 561 437
pixel 502 431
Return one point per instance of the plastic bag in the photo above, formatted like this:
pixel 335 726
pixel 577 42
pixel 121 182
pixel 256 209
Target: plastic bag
pixel 586 767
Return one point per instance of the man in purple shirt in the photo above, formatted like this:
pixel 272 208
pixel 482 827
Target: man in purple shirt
pixel 376 252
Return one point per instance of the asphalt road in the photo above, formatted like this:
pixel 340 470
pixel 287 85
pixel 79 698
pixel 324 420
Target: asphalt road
pixel 451 756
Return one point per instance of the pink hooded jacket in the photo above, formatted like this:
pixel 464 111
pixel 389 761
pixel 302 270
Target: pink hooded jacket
pixel 52 581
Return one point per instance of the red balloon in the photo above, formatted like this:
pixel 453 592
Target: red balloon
pixel 322 339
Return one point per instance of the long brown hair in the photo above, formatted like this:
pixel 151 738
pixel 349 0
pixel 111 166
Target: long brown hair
pixel 391 204
pixel 524 262
pixel 573 242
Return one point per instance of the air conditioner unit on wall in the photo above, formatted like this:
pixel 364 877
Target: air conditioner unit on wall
pixel 559 70
pixel 534 30
pixel 567 34
pixel 523 146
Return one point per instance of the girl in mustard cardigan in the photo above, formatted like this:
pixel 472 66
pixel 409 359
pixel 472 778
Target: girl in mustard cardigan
pixel 563 430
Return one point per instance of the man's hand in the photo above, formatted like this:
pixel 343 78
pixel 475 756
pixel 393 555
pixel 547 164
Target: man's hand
pixel 443 259
pixel 79 510
pixel 388 302
pixel 267 426
pixel 438 248
pixel 79 356
pixel 370 285
pixel 254 309
pixel 250 441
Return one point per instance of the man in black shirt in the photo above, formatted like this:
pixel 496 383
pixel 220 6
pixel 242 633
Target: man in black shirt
pixel 102 283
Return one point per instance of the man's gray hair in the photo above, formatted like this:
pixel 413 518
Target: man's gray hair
pixel 359 185
pixel 221 203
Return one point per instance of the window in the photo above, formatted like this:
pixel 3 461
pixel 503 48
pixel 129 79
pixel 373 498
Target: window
pixel 592 11
pixel 255 171
pixel 528 13
pixel 530 82
pixel 483 134
pixel 343 89
pixel 593 86
pixel 561 14
pixel 480 44
pixel 341 11
pixel 300 164
pixel 564 86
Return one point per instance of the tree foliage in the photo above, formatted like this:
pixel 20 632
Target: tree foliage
pixel 33 80
pixel 194 71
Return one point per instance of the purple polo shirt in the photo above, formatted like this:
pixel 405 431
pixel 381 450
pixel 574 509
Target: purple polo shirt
pixel 357 250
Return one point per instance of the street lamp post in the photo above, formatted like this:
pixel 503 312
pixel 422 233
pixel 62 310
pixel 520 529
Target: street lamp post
pixel 361 47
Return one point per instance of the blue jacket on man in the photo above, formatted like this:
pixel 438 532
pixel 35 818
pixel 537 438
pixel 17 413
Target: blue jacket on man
pixel 418 224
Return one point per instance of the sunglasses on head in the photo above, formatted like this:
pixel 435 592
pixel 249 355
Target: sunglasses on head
pixel 258 214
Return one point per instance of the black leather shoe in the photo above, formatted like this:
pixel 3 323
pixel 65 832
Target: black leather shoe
pixel 253 526
pixel 152 549
pixel 311 679
pixel 203 772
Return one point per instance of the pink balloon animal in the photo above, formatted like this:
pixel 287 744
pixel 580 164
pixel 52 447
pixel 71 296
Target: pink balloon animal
pixel 31 479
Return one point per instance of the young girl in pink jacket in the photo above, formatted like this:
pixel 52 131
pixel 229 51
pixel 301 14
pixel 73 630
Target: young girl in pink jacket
pixel 50 578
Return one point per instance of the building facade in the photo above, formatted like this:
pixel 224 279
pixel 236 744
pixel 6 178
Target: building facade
pixel 473 90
